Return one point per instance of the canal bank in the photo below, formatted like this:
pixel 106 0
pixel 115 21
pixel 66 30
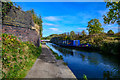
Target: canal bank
pixel 46 66
pixel 92 64
pixel 104 50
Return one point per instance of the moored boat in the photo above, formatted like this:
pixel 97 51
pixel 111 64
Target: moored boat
pixel 73 43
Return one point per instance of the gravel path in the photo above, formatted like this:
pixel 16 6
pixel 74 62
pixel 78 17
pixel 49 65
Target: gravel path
pixel 46 66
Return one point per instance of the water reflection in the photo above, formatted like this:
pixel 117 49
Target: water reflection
pixel 66 52
pixel 94 65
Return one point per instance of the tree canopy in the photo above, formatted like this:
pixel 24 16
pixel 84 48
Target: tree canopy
pixel 113 15
pixel 72 34
pixel 83 33
pixel 110 32
pixel 94 26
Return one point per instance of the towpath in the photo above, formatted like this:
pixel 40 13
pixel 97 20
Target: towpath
pixel 46 66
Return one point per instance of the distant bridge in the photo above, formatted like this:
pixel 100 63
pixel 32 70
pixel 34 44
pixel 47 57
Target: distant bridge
pixel 45 41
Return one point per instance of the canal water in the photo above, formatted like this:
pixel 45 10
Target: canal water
pixel 92 64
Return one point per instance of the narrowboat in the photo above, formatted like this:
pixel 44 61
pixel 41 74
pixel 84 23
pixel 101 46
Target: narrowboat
pixel 73 43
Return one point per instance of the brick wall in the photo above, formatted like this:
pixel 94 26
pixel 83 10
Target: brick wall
pixel 25 34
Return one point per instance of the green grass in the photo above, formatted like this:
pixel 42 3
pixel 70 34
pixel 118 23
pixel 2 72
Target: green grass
pixel 55 54
pixel 84 77
pixel 17 57
pixel 65 63
pixel 106 44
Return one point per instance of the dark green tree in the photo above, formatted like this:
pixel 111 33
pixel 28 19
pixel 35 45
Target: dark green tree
pixel 114 13
pixel 94 26
pixel 110 32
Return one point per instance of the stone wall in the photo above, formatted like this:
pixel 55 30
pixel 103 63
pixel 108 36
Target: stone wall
pixel 17 17
pixel 20 24
pixel 25 34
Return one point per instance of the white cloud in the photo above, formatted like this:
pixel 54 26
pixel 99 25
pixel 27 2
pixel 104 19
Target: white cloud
pixel 81 28
pixel 49 24
pixel 54 29
pixel 51 18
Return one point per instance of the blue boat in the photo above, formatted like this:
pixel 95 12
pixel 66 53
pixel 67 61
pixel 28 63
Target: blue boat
pixel 73 43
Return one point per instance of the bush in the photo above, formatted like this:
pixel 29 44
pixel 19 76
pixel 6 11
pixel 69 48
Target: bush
pixel 111 47
pixel 17 56
pixel 117 34
pixel 110 32
pixel 98 39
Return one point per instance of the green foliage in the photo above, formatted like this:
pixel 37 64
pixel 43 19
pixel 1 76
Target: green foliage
pixel 101 41
pixel 98 39
pixel 110 32
pixel 6 6
pixel 111 47
pixel 56 55
pixel 72 35
pixel 117 34
pixel 83 33
pixel 68 38
pixel 49 37
pixel 94 26
pixel 84 77
pixel 37 20
pixel 17 56
pixel 65 63
pixel 19 7
pixel 113 14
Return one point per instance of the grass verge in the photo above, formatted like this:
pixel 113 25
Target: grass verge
pixel 17 57
pixel 56 55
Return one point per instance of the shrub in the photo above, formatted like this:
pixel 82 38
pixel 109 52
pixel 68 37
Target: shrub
pixel 17 56
pixel 110 32
pixel 117 34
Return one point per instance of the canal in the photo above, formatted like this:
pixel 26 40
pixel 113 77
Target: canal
pixel 92 64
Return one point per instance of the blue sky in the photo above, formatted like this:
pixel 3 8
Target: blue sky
pixel 59 0
pixel 60 17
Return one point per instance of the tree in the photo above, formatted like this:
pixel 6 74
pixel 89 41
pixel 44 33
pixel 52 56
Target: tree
pixel 32 11
pixel 40 24
pixel 72 34
pixel 117 34
pixel 110 32
pixel 94 26
pixel 83 33
pixel 37 20
pixel 113 15
pixel 19 7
